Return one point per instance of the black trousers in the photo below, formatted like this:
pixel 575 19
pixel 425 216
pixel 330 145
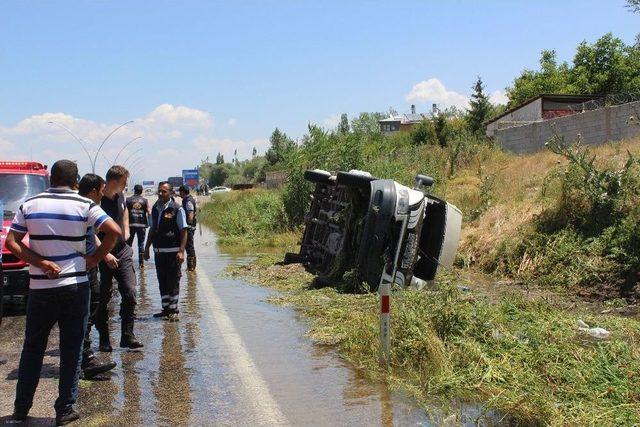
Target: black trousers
pixel 169 273
pixel 140 233
pixel 190 249
pixel 69 307
pixel 126 278
pixel 94 302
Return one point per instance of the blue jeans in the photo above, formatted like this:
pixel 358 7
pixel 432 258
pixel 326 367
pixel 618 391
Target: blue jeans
pixel 69 307
pixel 138 232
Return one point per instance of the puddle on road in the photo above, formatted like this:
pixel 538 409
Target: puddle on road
pixel 185 374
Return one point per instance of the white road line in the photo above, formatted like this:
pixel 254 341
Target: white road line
pixel 255 387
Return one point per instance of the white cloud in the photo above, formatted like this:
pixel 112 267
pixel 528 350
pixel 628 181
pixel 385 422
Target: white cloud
pixel 5 146
pixel 232 122
pixel 498 97
pixel 332 121
pixel 432 90
pixel 173 138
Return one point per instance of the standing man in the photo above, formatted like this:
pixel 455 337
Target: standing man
pixel 3 360
pixel 189 206
pixel 120 267
pixel 56 221
pixel 139 210
pixel 168 235
pixel 91 186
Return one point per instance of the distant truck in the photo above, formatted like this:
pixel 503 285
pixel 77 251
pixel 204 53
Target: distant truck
pixel 18 182
pixel 175 181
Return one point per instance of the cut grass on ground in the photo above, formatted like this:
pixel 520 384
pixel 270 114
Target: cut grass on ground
pixel 524 357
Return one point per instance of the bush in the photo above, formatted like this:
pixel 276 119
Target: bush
pixel 589 236
pixel 251 215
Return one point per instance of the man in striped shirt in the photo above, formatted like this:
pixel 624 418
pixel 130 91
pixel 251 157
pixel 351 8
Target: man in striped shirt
pixel 57 222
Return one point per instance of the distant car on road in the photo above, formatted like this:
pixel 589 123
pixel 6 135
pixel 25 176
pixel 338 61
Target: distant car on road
pixel 220 189
pixel 149 192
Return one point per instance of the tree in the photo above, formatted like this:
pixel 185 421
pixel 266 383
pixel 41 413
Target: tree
pixel 633 5
pixel 439 126
pixel 254 152
pixel 424 133
pixel 219 159
pixel 607 66
pixel 367 123
pixel 604 67
pixel 281 146
pixel 218 175
pixel 343 126
pixel 480 108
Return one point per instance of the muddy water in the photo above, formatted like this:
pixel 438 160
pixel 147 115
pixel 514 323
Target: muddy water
pixel 232 359
pixel 252 366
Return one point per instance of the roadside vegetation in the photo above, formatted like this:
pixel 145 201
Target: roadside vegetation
pixel 559 229
pixel 522 357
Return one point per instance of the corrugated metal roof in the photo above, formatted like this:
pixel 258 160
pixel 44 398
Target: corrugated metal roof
pixel 404 118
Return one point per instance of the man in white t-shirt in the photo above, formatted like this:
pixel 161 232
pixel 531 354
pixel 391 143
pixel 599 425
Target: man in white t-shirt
pixel 56 221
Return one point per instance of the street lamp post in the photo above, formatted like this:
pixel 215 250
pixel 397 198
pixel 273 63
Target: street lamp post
pixel 131 155
pixel 125 146
pixel 66 129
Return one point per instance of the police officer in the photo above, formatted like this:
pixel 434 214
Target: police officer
pixel 189 206
pixel 168 235
pixel 139 210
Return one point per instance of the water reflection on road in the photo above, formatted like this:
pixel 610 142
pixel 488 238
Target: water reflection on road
pixel 186 375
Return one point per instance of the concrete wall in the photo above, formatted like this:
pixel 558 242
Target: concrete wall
pixel 596 127
pixel 530 112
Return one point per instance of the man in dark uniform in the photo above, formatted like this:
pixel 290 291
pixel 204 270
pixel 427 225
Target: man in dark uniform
pixel 91 186
pixel 189 206
pixel 120 267
pixel 168 235
pixel 138 208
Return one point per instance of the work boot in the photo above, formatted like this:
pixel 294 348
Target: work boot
pixel 67 418
pixel 19 416
pixel 128 339
pixel 94 368
pixel 163 313
pixel 105 343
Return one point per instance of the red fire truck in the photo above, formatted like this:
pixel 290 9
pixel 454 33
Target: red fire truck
pixel 18 182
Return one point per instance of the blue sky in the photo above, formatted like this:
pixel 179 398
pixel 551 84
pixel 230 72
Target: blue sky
pixel 202 77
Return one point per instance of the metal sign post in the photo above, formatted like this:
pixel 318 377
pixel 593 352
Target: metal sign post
pixel 387 279
pixel 385 325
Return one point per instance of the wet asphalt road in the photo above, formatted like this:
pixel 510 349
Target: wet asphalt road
pixel 232 359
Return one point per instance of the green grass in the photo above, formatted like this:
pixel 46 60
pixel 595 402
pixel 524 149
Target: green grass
pixel 252 218
pixel 524 357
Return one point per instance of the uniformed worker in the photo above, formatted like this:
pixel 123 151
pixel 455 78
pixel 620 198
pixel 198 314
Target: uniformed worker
pixel 168 235
pixel 139 211
pixel 189 206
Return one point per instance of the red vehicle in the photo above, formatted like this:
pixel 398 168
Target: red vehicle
pixel 18 182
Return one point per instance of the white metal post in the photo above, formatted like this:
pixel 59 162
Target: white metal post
pixel 385 318
pixel 384 289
